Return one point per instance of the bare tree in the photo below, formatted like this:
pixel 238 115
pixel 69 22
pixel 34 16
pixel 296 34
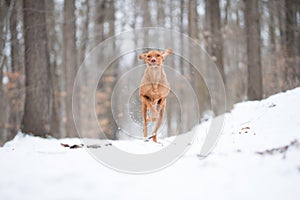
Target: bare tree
pixel 57 125
pixel 146 19
pixel 39 98
pixel 215 40
pixel 214 45
pixel 271 11
pixel 193 18
pixel 5 15
pixel 70 62
pixel 83 13
pixel 108 81
pixel 160 20
pixel 270 61
pixel 292 72
pixel 84 27
pixel 16 89
pixel 252 25
pixel 99 20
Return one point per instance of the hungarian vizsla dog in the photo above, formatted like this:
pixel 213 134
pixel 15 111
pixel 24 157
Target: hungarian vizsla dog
pixel 154 89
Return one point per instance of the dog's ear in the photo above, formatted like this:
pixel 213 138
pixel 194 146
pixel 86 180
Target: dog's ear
pixel 166 52
pixel 142 55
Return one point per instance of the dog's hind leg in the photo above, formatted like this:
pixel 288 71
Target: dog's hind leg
pixel 162 105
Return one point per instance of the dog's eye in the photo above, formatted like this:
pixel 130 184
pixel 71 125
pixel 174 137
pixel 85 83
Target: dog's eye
pixel 158 55
pixel 148 56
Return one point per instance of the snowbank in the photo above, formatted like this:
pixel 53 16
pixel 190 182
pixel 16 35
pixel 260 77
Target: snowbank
pixel 257 157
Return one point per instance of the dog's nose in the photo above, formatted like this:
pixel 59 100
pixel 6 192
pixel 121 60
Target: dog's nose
pixel 153 60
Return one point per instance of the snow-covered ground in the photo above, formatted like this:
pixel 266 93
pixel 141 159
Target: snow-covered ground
pixel 257 157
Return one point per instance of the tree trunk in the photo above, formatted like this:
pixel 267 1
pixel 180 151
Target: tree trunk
pixel 193 25
pixel 270 71
pixel 255 91
pixel 160 20
pixel 214 45
pixel 297 36
pixel 281 22
pixel 227 7
pixel 291 25
pixel 39 98
pixel 16 89
pixel 215 40
pixel 70 61
pixel 146 20
pixel 100 9
pixel 4 11
pixel 272 35
pixel 84 26
pixel 84 13
pixel 182 31
pixel 292 72
pixel 57 120
pixel 106 119
pixel 297 43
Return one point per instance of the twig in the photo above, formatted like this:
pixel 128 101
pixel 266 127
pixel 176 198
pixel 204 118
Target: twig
pixel 281 150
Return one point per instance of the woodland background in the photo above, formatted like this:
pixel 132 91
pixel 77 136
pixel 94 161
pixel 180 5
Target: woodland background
pixel 255 44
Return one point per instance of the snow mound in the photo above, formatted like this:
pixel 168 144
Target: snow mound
pixel 257 157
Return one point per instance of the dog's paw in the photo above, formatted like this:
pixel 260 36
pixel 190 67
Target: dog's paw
pixel 153 137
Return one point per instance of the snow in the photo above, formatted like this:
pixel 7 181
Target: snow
pixel 37 168
pixel 5 80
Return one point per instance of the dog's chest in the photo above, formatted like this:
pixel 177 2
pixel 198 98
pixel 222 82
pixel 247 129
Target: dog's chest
pixel 154 84
pixel 154 75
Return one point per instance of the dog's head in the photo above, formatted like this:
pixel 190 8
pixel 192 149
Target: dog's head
pixel 155 58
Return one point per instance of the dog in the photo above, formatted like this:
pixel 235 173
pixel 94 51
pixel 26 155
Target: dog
pixel 154 89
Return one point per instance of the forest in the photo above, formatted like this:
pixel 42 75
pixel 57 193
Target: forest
pixel 255 45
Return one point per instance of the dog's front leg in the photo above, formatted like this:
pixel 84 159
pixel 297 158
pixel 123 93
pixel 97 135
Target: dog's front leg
pixel 144 114
pixel 162 105
pixel 154 113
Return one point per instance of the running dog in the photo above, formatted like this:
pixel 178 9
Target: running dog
pixel 154 89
